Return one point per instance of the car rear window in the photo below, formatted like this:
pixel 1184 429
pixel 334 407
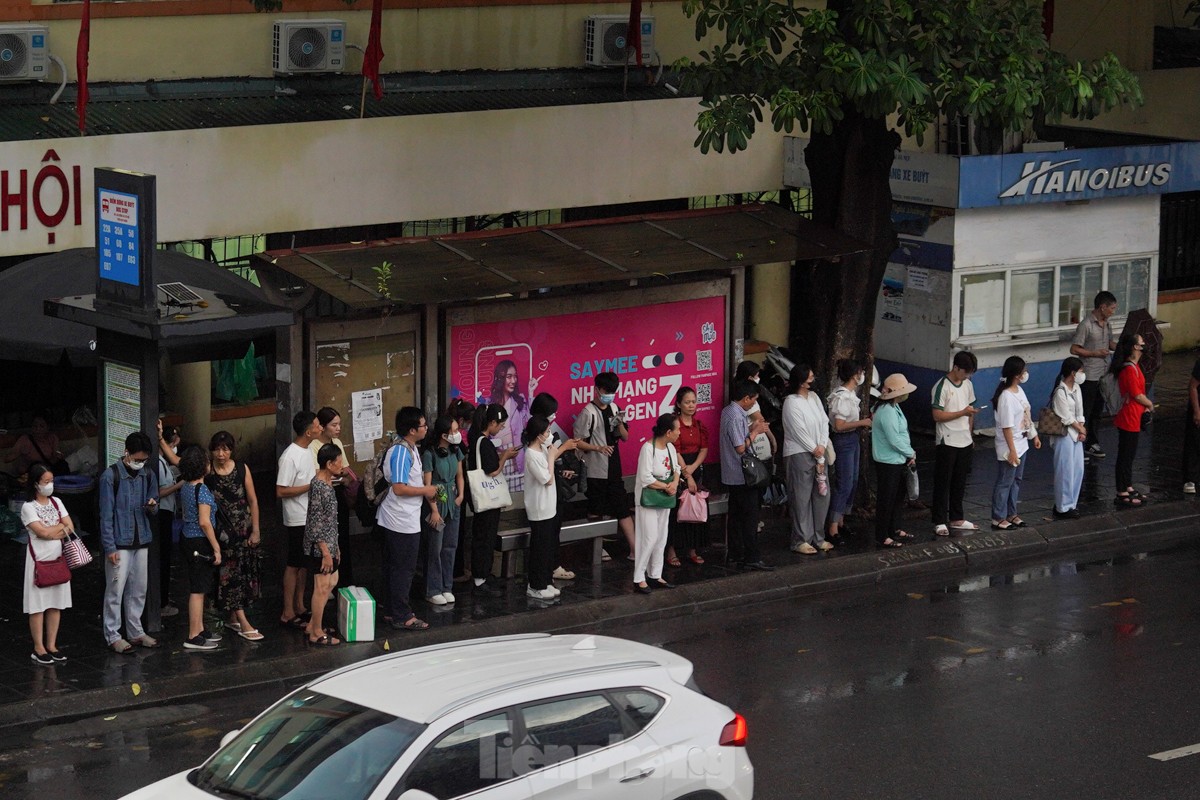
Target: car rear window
pixel 308 745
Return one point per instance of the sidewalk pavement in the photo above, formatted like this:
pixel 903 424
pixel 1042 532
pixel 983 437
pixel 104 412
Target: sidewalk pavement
pixel 95 680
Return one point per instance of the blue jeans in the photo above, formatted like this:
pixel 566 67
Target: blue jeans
pixel 1008 489
pixel 845 473
pixel 1068 472
pixel 439 564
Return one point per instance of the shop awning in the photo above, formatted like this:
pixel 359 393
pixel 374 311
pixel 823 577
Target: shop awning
pixel 467 266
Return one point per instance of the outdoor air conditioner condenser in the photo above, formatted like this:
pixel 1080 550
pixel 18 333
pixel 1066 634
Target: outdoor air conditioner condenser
pixel 24 52
pixel 605 38
pixel 308 46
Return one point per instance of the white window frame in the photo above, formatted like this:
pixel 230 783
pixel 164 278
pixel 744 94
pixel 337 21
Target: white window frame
pixel 1053 332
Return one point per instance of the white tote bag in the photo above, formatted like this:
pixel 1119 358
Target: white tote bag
pixel 486 492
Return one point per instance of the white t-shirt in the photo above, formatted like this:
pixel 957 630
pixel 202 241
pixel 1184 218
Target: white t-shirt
pixel 950 397
pixel 401 514
pixel 541 496
pixel 296 468
pixel 805 425
pixel 1012 411
pixel 844 405
pixel 33 511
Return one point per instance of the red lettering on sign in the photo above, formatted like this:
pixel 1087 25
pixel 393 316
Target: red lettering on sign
pixel 46 173
pixel 50 156
pixel 13 198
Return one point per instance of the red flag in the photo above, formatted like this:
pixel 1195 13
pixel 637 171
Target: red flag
pixel 81 64
pixel 633 35
pixel 374 53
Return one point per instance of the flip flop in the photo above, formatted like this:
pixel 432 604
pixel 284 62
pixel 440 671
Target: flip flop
pixel 696 559
pixel 891 543
pixel 904 535
pixel 1003 525
pixel 415 624
pixel 324 641
pixel 297 622
pixel 253 636
pixel 674 562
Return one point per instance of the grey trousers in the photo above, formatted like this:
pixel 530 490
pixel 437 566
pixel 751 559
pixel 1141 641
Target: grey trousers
pixel 809 509
pixel 125 589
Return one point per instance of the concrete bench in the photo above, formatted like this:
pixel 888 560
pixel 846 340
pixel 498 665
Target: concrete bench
pixel 510 539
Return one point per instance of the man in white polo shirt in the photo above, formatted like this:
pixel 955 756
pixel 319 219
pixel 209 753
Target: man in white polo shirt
pixel 399 516
pixel 954 415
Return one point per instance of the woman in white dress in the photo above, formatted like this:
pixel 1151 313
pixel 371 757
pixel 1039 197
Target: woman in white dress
pixel 48 524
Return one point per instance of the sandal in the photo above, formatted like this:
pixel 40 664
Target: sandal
pixel 1002 525
pixel 1017 522
pixel 415 624
pixel 904 535
pixel 674 562
pixel 889 542
pixel 325 640
pixel 253 635
pixel 297 622
pixel 1127 500
pixel 696 559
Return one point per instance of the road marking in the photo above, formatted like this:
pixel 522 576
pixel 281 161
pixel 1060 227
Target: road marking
pixel 1179 752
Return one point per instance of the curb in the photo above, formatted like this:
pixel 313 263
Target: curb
pixel 1153 527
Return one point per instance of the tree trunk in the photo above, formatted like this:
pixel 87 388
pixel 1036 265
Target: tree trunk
pixel 833 303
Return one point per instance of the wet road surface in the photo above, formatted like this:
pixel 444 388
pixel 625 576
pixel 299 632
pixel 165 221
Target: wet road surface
pixel 1057 682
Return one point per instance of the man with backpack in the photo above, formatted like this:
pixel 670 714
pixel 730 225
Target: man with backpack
pixel 128 494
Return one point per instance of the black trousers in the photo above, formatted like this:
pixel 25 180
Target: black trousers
pixel 1191 448
pixel 401 550
pixel 1127 444
pixel 543 548
pixel 1093 406
pixel 484 526
pixel 346 564
pixel 166 549
pixel 889 496
pixel 744 505
pixel 951 467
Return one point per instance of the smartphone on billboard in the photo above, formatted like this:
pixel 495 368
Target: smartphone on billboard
pixel 486 360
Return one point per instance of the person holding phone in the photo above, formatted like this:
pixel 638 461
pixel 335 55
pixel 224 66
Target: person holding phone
pixel 200 550
pixel 541 506
pixel 954 417
pixel 847 421
pixel 600 429
pixel 1014 431
pixel 490 421
pixel 442 465
pixel 1128 421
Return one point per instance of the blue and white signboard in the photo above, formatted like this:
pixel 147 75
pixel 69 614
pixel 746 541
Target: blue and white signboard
pixel 1088 174
pixel 117 236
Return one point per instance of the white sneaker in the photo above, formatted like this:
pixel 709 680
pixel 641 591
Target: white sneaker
pixel 437 600
pixel 552 588
pixel 1189 488
pixel 449 598
pixel 539 594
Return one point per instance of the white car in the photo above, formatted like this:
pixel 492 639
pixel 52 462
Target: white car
pixel 529 717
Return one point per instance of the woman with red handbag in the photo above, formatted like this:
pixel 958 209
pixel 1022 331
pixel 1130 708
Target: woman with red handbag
pixel 48 524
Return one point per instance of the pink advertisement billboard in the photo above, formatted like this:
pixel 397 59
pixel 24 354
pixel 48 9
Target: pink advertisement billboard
pixel 654 350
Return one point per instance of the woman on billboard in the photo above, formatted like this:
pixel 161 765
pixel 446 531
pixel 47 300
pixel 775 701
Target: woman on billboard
pixel 506 380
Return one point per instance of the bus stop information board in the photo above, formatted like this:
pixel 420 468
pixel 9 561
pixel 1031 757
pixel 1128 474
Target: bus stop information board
pixel 118 236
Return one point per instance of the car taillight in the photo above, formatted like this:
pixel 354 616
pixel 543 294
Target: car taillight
pixel 734 733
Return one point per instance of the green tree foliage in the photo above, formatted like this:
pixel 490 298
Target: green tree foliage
pixel 984 59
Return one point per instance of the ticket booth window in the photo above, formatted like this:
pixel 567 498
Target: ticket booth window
pixel 1078 285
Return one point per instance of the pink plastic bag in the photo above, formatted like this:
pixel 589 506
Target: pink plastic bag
pixel 693 507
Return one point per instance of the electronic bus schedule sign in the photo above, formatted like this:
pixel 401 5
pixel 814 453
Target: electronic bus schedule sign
pixel 126 236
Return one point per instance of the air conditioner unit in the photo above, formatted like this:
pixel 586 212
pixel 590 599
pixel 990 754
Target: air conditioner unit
pixel 308 45
pixel 24 52
pixel 604 40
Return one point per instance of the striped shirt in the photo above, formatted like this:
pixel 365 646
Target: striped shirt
pixel 396 513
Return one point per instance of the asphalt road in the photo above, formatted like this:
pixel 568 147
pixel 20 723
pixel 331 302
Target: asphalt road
pixel 1058 682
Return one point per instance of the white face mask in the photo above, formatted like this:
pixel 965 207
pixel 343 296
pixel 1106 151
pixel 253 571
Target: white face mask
pixel 46 489
pixel 860 378
pixel 1080 377
pixel 755 379
pixel 551 417
pixel 1024 377
pixel 454 438
pixel 136 465
pixel 175 449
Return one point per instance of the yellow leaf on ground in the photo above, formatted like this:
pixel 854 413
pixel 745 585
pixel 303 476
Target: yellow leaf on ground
pixel 110 719
pixel 1112 603
pixel 805 650
pixel 915 596
pixel 1129 600
pixel 387 645
pixel 974 651
pixel 137 689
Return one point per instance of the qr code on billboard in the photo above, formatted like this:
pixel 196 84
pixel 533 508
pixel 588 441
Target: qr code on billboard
pixel 703 393
pixel 703 360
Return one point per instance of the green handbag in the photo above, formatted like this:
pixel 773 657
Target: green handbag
pixel 658 498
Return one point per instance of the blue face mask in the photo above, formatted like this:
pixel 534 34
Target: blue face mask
pixel 607 399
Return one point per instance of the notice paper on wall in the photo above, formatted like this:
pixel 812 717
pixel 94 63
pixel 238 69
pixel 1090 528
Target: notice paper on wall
pixel 367 408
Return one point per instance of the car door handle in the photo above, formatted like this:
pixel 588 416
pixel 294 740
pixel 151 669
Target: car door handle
pixel 646 773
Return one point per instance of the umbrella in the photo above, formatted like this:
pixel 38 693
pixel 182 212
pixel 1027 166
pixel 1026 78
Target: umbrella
pixel 27 334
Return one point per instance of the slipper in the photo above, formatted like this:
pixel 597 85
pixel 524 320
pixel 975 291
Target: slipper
pixel 253 636
pixel 604 556
pixel 1003 525
pixel 324 641
pixel 891 543
pixel 696 559
pixel 305 615
pixel 674 562
pixel 234 626
pixel 965 525
pixel 415 624
pixel 296 622
pixel 1017 522
pixel 1127 500
pixel 563 574
pixel 904 535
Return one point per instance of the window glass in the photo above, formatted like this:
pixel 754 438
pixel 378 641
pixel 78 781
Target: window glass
pixel 566 728
pixel 308 745
pixel 1139 284
pixel 982 308
pixel 639 705
pixel 1031 298
pixel 1077 288
pixel 1118 284
pixel 464 760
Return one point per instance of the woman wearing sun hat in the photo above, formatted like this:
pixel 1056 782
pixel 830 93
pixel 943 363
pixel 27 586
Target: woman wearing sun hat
pixel 893 453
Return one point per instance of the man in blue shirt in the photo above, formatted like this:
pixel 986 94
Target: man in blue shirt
pixel 744 501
